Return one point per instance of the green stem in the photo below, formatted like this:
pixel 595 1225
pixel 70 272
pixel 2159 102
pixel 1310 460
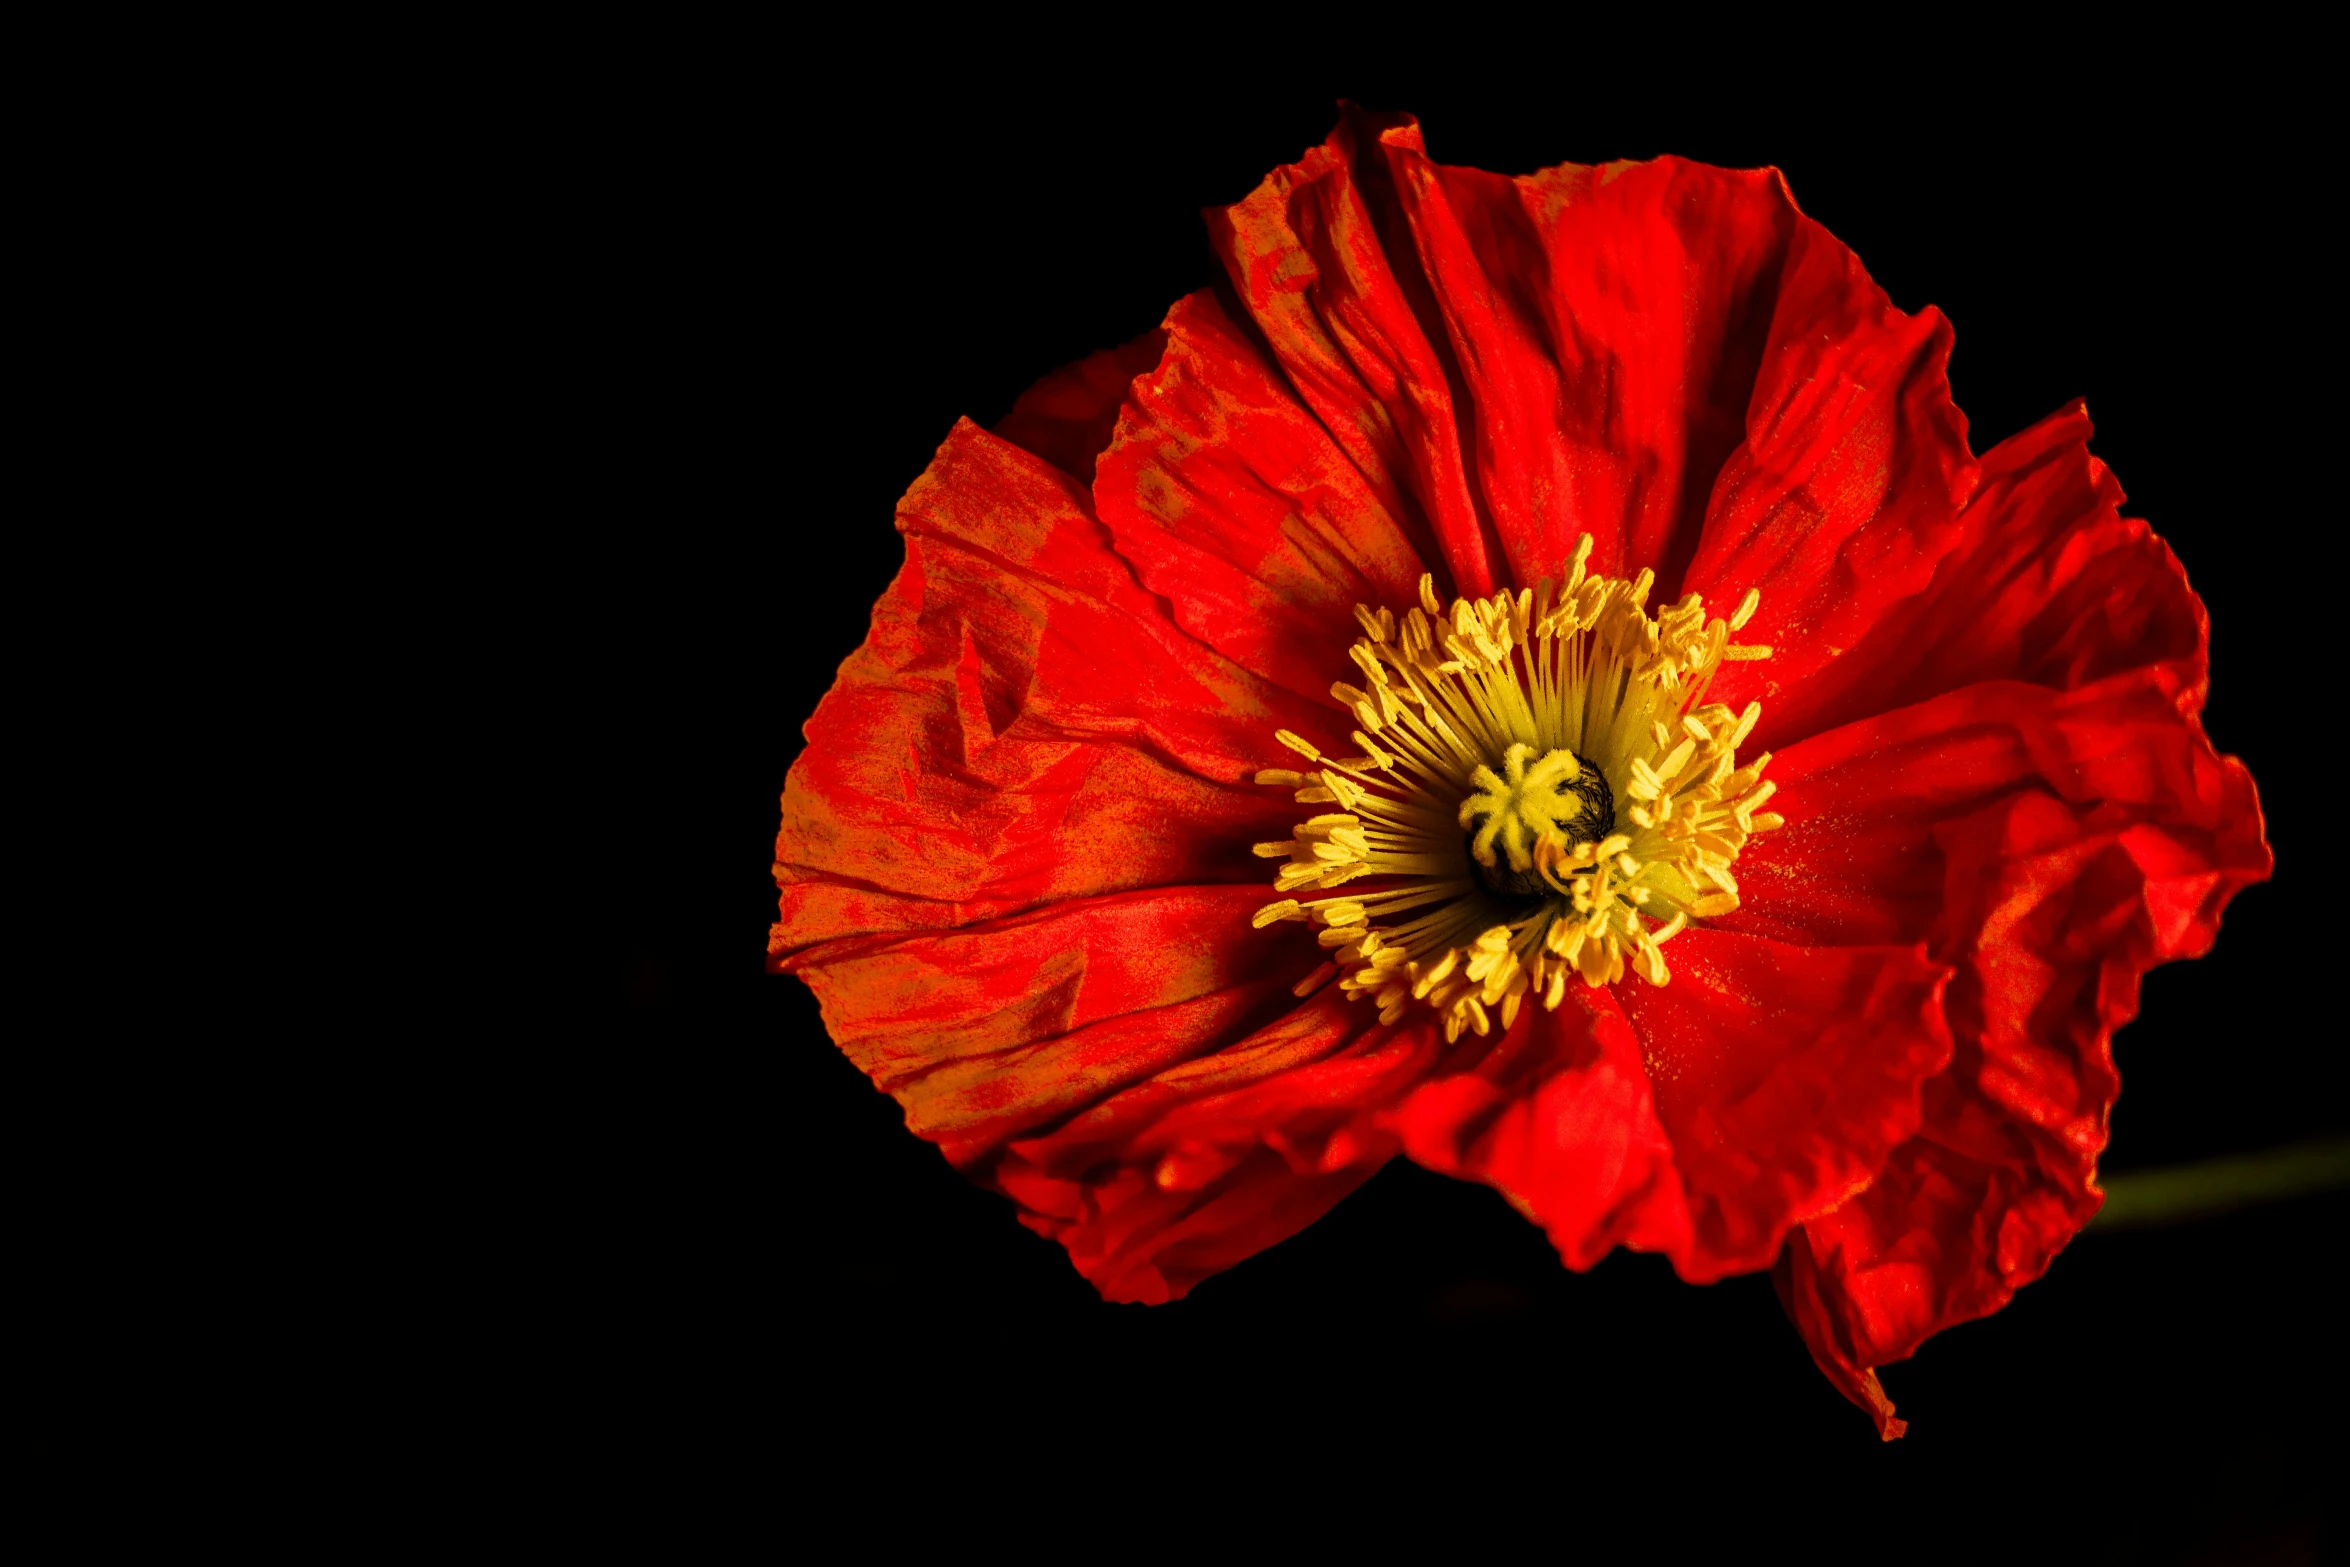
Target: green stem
pixel 2192 1191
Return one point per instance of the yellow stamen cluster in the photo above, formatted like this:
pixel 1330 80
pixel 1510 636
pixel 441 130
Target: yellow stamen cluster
pixel 1487 730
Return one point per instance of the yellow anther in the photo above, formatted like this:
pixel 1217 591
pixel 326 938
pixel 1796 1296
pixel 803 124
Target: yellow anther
pixel 1437 972
pixel 1471 828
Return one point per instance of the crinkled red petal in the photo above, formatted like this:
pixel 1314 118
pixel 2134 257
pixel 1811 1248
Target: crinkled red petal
pixel 1606 325
pixel 1704 1120
pixel 1207 1163
pixel 1022 725
pixel 2048 583
pixel 1320 259
pixel 1847 490
pixel 994 1029
pixel 1014 856
pixel 1783 1077
pixel 1559 1116
pixel 1068 417
pixel 2050 846
pixel 1666 355
pixel 1237 507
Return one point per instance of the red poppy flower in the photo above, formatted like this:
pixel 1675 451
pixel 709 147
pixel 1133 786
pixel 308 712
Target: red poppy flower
pixel 1597 493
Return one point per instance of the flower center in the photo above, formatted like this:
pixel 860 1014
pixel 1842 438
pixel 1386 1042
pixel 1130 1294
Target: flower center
pixel 1498 736
pixel 1506 817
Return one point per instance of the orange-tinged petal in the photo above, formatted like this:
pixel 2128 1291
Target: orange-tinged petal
pixel 1182 1175
pixel 1067 418
pixel 1023 724
pixel 990 1030
pixel 1235 504
pixel 1327 275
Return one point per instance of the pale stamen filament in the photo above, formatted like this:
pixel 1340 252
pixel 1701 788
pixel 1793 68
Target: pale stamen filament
pixel 1494 733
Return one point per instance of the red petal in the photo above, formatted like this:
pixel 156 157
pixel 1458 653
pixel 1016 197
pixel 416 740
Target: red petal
pixel 1234 504
pixel 994 1029
pixel 1067 418
pixel 1023 724
pixel 2051 846
pixel 1606 324
pixel 1847 491
pixel 2049 583
pixel 1560 1119
pixel 1703 1120
pixel 1518 361
pixel 1783 1076
pixel 1209 1162
pixel 1868 808
pixel 1321 265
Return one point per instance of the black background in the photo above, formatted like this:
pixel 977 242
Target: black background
pixel 779 303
